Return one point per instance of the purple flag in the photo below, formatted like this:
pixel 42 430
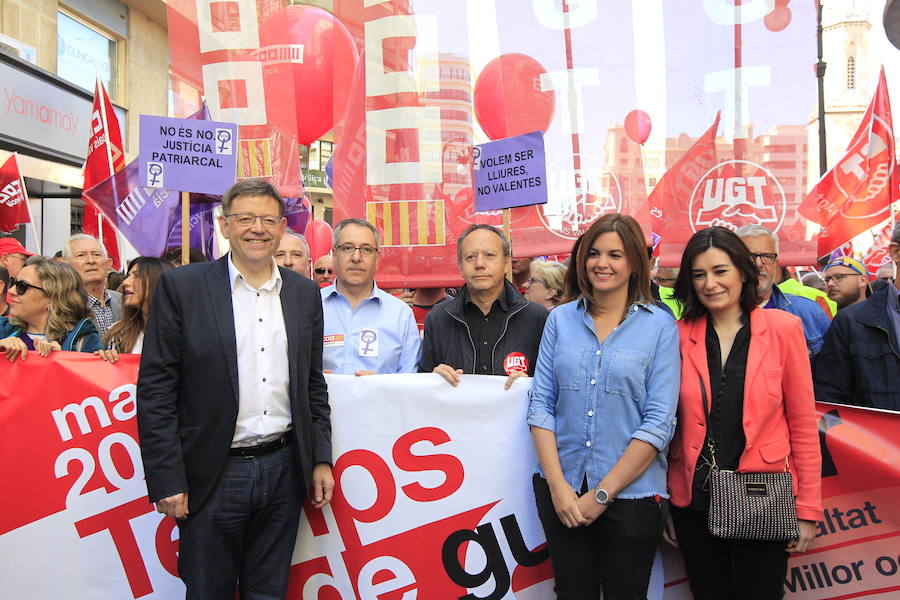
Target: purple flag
pixel 141 214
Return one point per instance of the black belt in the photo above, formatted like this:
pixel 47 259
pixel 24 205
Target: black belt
pixel 262 449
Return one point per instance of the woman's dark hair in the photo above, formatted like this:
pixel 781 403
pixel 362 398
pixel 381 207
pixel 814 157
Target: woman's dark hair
pixel 124 333
pixel 729 243
pixel 577 283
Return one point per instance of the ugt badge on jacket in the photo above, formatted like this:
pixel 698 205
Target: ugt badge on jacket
pixel 515 361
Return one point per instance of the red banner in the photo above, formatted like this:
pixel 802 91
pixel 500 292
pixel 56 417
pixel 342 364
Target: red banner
pixel 265 66
pixel 855 195
pixel 618 97
pixel 13 197
pixel 437 503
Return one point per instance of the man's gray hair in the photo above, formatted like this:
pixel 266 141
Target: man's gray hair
pixel 291 232
pixel 67 248
pixel 251 187
pixel 358 222
pixel 754 230
pixel 507 250
pixel 895 235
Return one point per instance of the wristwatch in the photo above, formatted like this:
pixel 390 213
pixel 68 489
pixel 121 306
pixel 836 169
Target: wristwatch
pixel 603 497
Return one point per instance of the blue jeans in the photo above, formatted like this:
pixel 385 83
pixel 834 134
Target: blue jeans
pixel 245 532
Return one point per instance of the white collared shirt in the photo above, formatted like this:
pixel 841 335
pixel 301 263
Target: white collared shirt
pixel 264 411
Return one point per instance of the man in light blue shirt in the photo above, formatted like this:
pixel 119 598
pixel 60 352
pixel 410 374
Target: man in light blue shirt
pixel 367 331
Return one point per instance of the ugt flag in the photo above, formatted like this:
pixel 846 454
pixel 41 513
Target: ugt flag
pixel 105 156
pixel 855 195
pixel 13 199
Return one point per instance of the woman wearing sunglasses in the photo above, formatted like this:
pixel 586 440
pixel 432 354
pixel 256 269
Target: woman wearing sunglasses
pixel 127 334
pixel 47 311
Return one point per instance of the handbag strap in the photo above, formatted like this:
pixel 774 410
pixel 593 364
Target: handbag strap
pixel 710 441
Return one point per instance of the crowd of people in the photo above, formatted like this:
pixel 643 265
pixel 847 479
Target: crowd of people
pixel 631 409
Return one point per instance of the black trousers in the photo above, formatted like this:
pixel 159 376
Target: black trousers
pixel 619 547
pixel 720 569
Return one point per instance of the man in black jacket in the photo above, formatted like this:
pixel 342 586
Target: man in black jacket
pixel 860 359
pixel 489 328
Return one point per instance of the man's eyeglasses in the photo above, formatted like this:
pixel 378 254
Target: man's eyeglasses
pixel 766 258
pixel 322 270
pixel 350 249
pixel 247 220
pixel 22 286
pixel 839 277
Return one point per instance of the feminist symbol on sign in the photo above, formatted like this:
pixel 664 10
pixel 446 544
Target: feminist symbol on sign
pixel 224 137
pixel 368 342
pixel 154 175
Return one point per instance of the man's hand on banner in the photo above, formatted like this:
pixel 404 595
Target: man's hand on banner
pixel 13 347
pixel 174 506
pixel 110 356
pixel 807 535
pixel 512 377
pixel 323 484
pixel 364 373
pixel 448 373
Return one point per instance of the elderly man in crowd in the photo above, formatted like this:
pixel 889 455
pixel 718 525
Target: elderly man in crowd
pixel 367 330
pixel 860 359
pixel 88 257
pixel 293 253
pixel 885 273
pixel 847 282
pixel 13 255
pixel 763 245
pixel 488 328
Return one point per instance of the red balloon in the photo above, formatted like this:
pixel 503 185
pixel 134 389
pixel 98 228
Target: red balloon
pixel 779 18
pixel 307 93
pixel 637 126
pixel 318 236
pixel 508 97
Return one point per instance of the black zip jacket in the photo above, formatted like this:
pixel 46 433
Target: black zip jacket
pixel 448 339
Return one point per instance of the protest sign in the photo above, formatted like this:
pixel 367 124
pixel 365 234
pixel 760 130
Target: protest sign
pixel 433 495
pixel 188 155
pixel 510 172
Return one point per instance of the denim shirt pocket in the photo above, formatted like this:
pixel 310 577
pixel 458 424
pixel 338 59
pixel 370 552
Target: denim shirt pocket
pixel 569 366
pixel 627 373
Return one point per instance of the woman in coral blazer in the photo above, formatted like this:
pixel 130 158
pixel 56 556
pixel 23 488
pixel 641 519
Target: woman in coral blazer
pixel 754 368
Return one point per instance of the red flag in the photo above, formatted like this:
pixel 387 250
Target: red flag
pixel 856 194
pixel 106 155
pixel 13 198
pixel 669 199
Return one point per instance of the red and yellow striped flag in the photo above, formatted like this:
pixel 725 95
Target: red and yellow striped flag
pixel 254 158
pixel 409 222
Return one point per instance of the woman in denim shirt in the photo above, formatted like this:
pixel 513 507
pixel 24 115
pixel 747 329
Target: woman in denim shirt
pixel 602 413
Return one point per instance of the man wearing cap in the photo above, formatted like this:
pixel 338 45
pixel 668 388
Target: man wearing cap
pixel 860 359
pixel 847 282
pixel 763 245
pixel 13 255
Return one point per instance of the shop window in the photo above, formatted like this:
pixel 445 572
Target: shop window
pixel 82 52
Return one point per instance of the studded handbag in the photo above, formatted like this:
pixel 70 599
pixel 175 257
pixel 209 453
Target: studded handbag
pixel 749 506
